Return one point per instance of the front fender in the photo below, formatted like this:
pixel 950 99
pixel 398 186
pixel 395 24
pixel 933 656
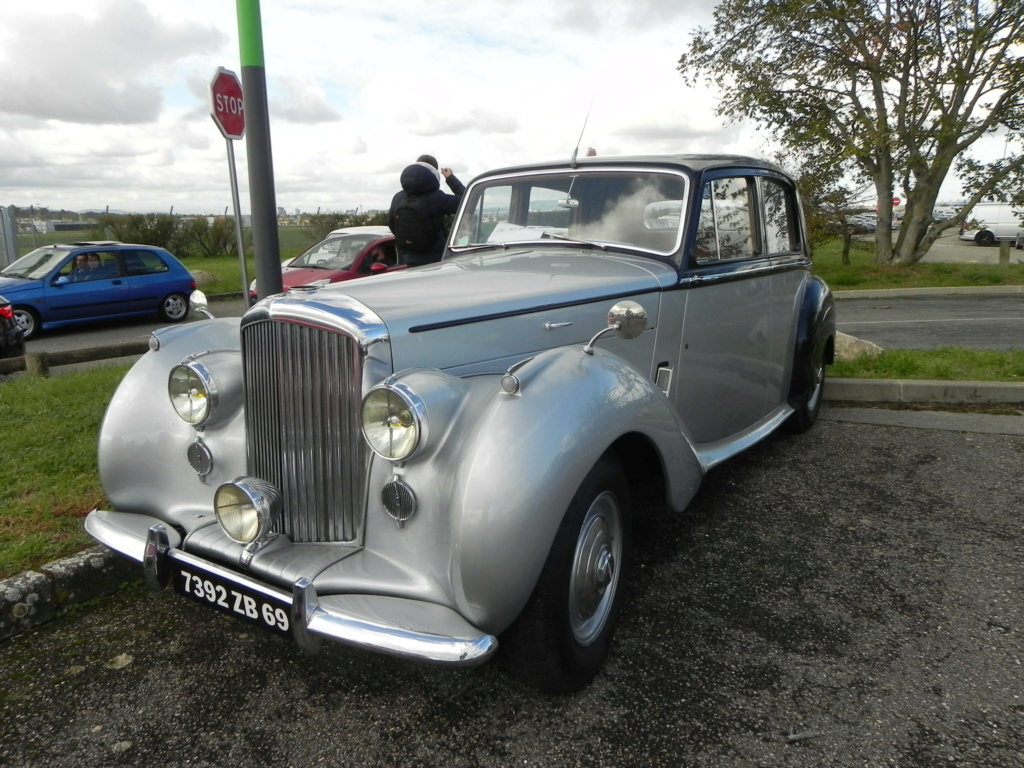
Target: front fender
pixel 142 452
pixel 523 458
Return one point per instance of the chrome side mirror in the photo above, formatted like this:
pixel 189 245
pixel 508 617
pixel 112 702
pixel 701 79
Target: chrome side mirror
pixel 198 303
pixel 627 320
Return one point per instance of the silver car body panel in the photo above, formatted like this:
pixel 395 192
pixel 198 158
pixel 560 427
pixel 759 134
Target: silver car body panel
pixel 495 470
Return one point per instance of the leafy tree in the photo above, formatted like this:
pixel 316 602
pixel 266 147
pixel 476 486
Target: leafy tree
pixel 157 229
pixel 900 88
pixel 210 239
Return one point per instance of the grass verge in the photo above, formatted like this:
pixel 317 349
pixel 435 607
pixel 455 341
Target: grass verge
pixel 943 364
pixel 863 274
pixel 49 480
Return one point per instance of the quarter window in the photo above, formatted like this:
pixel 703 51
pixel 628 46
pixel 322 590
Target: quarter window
pixel 779 218
pixel 726 227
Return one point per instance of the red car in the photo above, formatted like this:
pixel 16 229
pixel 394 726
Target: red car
pixel 344 255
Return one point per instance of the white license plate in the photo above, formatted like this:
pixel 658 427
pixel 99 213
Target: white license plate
pixel 240 601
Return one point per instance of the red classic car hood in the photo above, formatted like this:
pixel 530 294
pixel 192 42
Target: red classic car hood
pixel 496 304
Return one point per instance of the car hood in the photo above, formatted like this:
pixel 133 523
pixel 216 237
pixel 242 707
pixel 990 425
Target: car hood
pixel 448 314
pixel 292 276
pixel 12 285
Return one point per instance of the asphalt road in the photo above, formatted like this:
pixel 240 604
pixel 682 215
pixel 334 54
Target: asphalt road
pixel 975 321
pixel 846 597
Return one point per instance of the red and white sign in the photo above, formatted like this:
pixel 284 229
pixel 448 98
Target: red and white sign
pixel 226 107
pixel 896 201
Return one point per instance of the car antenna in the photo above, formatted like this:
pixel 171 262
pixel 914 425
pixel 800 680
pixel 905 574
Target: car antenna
pixel 572 161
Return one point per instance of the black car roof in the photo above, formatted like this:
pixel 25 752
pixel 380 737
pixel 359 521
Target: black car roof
pixel 693 162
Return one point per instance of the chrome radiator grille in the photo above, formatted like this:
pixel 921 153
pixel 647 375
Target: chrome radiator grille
pixel 302 400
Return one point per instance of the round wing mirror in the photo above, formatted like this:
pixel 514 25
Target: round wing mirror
pixel 199 304
pixel 630 317
pixel 627 320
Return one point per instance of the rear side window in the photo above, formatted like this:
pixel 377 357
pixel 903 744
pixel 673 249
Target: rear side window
pixel 138 262
pixel 780 227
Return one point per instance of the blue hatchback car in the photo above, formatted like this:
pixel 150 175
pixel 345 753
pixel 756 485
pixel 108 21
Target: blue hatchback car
pixel 78 282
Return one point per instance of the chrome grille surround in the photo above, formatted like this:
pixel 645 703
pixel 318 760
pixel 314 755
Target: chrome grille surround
pixel 303 371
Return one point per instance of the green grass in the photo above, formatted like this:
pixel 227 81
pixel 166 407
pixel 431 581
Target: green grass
pixel 49 479
pixel 863 274
pixel 944 364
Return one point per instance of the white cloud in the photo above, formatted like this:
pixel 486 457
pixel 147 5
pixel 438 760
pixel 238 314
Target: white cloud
pixel 105 102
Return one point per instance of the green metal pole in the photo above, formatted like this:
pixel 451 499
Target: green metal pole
pixel 265 244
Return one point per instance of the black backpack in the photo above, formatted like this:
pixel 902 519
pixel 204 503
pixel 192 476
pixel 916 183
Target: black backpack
pixel 414 226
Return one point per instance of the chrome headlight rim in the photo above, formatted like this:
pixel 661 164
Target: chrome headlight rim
pixel 417 411
pixel 211 393
pixel 264 505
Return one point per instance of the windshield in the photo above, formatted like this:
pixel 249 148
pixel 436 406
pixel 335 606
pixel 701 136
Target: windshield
pixel 336 252
pixel 631 208
pixel 37 264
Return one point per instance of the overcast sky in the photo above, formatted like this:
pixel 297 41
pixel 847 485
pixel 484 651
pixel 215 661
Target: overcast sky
pixel 106 102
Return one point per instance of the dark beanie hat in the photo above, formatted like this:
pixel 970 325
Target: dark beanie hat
pixel 428 159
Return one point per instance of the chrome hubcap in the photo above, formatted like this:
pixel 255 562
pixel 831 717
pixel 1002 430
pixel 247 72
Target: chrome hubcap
pixel 594 571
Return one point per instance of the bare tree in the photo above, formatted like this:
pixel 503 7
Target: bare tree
pixel 901 88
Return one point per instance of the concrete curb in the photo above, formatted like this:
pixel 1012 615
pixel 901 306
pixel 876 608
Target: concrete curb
pixel 35 597
pixel 923 391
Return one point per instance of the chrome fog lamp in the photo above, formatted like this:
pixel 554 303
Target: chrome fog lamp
pixel 193 393
pixel 392 421
pixel 246 508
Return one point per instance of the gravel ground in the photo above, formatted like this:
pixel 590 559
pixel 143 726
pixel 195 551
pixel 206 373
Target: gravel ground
pixel 846 597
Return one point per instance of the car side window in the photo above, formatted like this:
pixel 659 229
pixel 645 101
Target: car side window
pixel 139 262
pixel 780 220
pixel 725 229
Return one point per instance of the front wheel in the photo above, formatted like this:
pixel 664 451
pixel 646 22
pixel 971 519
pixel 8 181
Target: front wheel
pixel 28 321
pixel 562 636
pixel 985 238
pixel 174 308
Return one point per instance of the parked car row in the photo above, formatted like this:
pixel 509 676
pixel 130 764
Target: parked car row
pixel 434 462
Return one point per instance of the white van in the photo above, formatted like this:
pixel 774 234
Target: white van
pixel 990 222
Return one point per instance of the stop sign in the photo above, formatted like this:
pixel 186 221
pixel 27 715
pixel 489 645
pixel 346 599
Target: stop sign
pixel 226 104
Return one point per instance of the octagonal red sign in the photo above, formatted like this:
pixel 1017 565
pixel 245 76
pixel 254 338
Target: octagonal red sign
pixel 226 107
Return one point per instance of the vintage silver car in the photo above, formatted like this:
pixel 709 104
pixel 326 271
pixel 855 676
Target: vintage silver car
pixel 428 462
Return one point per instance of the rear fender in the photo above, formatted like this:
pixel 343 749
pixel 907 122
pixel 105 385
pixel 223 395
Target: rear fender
pixel 815 335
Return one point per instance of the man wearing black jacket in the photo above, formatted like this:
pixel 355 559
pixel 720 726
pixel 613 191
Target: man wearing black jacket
pixel 421 187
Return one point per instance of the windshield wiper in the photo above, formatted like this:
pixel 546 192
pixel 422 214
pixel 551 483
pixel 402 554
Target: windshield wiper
pixel 566 238
pixel 15 274
pixel 478 247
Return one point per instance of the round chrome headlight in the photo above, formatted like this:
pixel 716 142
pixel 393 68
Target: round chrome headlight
pixel 245 508
pixel 192 393
pixel 392 420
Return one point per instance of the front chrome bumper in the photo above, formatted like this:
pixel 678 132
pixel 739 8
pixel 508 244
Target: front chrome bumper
pixel 391 625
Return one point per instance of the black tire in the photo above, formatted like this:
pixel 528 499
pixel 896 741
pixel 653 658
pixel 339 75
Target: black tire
pixel 28 321
pixel 173 308
pixel 985 238
pixel 561 638
pixel 806 413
